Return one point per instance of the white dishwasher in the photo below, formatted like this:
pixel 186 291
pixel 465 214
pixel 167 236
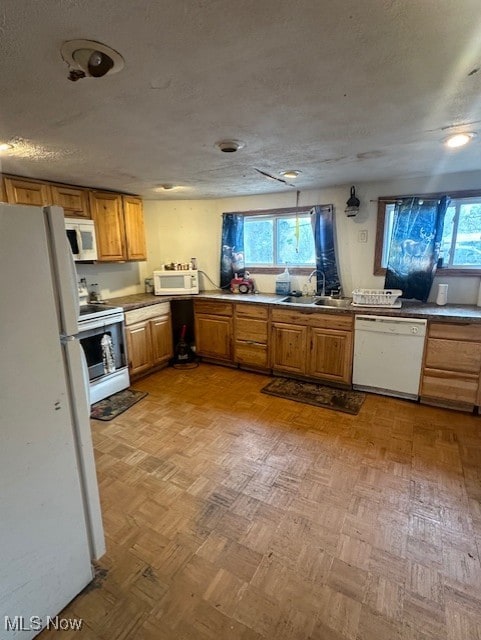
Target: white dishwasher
pixel 388 355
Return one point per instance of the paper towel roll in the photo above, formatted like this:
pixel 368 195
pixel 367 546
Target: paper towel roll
pixel 442 294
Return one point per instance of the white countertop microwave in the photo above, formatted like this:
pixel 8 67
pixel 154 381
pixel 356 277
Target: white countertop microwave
pixel 174 283
pixel 81 236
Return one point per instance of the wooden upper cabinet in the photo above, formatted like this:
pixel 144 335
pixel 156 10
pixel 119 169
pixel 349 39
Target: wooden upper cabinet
pixel 23 191
pixel 134 228
pixel 107 213
pixel 74 200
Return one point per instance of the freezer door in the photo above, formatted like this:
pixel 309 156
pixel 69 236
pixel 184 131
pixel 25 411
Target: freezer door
pixel 64 273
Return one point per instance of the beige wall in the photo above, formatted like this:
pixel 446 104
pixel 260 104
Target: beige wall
pixel 179 230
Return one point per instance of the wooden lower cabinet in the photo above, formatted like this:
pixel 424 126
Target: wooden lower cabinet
pixel 314 345
pixel 251 333
pixel 139 348
pixel 149 338
pixel 452 365
pixel 213 337
pixel 330 355
pixel 161 339
pixel 289 348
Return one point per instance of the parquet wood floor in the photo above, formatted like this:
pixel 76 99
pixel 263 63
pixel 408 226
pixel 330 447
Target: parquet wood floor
pixel 230 514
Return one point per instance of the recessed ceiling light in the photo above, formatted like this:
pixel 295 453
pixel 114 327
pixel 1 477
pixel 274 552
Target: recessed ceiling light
pixel 4 146
pixel 169 187
pixel 229 146
pixel 458 140
pixel 292 173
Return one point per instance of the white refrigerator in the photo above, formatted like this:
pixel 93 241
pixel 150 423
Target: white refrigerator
pixel 50 519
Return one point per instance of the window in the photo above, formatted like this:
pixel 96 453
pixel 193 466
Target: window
pixel 460 251
pixel 270 239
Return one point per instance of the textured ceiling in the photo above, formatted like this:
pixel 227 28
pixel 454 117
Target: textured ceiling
pixel 342 90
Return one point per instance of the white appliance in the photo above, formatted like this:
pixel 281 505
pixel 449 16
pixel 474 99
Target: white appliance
pixel 82 238
pixel 51 525
pixel 172 283
pixel 95 322
pixel 388 354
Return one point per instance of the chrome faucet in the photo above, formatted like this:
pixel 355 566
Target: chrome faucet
pixel 323 290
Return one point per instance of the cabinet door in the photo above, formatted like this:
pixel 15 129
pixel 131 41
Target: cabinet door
pixel 331 355
pixel 106 209
pixel 139 347
pixel 161 334
pixel 21 191
pixel 134 228
pixel 213 336
pixel 75 201
pixel 288 348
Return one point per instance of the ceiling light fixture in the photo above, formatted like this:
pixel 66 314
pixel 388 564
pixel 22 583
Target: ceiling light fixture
pixel 292 173
pixel 165 187
pixel 459 140
pixel 87 58
pixel 4 146
pixel 230 146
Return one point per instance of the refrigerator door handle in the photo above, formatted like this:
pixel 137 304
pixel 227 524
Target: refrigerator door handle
pixel 64 272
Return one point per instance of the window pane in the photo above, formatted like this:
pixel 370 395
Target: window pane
pixel 288 249
pixel 447 239
pixel 258 240
pixel 468 237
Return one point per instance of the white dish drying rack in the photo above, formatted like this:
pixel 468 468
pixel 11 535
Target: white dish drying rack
pixel 387 298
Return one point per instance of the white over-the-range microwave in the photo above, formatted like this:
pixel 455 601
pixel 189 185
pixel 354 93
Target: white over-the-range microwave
pixel 175 283
pixel 81 236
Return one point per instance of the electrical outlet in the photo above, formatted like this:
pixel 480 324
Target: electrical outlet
pixel 362 235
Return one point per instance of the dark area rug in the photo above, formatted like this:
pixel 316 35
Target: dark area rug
pixel 116 404
pixel 316 394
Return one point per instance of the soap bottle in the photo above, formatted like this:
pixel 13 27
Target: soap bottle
pixel 283 282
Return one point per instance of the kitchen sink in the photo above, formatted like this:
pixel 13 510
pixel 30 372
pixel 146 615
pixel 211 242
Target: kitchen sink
pixel 319 301
pixel 300 299
pixel 333 302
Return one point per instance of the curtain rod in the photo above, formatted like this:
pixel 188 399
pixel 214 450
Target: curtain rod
pixel 410 195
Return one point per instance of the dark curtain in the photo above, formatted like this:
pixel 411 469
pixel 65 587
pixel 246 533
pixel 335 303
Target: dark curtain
pixel 232 253
pixel 414 250
pixel 322 221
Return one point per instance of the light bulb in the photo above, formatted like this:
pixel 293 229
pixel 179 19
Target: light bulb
pixel 459 140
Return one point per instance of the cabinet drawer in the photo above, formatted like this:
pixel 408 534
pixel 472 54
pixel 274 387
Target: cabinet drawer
pixel 213 308
pixel 313 318
pixel 450 385
pixel 259 311
pixel 251 354
pixel 453 355
pixel 290 316
pixel 333 321
pixel 248 329
pixel 145 313
pixel 466 332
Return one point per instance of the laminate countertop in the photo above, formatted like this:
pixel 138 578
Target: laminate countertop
pixel 409 309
